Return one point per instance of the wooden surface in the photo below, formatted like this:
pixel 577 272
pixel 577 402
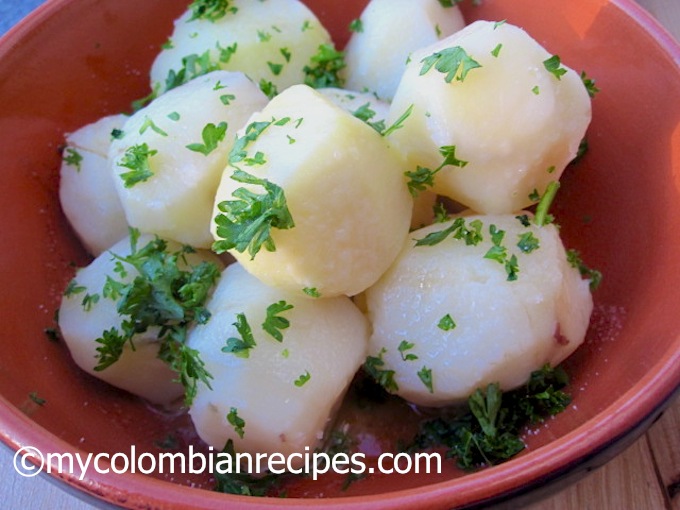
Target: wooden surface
pixel 646 476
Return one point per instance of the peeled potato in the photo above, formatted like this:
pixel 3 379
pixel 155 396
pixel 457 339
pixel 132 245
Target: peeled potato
pixel 83 320
pixel 344 190
pixel 270 41
pixel 502 131
pixel 362 105
pixel 177 138
pixel 87 192
pixel 447 320
pixel 390 30
pixel 286 391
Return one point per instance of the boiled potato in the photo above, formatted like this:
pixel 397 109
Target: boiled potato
pixel 389 30
pixel 87 192
pixel 271 42
pixel 168 163
pixel 284 390
pixel 448 320
pixel 86 313
pixel 344 189
pixel 493 136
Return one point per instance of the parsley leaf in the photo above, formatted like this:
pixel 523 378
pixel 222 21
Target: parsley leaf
pixel 212 135
pixel 246 223
pixel 193 66
pixel 404 346
pixel 136 158
pixel 554 67
pixel 241 346
pixel 425 375
pixel 589 84
pixel 453 62
pixel 373 367
pixel 274 323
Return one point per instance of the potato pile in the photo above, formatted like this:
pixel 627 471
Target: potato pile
pixel 318 179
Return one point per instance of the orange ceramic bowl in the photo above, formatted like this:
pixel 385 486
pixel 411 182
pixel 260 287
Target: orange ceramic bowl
pixel 73 61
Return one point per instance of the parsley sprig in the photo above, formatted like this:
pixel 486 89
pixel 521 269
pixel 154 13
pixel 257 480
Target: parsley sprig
pixel 454 62
pixel 163 295
pixel 211 10
pixel 422 178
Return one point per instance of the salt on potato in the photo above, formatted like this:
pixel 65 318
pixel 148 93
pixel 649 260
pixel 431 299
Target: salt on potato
pixel 344 189
pixel 87 192
pixel 168 163
pixel 447 320
pixel 83 320
pixel 389 31
pixel 270 41
pixel 512 123
pixel 284 390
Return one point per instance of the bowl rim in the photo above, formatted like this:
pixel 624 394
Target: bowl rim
pixel 624 419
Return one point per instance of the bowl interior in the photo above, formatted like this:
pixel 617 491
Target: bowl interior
pixel 618 206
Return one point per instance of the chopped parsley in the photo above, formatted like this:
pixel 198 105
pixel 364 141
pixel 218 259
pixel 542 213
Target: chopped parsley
pixel 211 10
pixel 499 253
pixel 404 346
pixel 374 367
pixel 470 233
pixel 575 261
pixel 324 69
pixel 496 51
pixel 240 346
pixel 246 223
pixel 226 52
pixel 398 124
pixel 193 66
pixel 356 25
pixel 274 323
pixel 150 124
pixel 589 84
pixel 165 296
pixel 229 480
pixel 302 380
pixel 268 88
pixel 73 158
pixel 36 399
pixel 489 431
pixel 212 135
pixel 454 62
pixel 425 375
pixel 312 292
pixel 236 421
pixel 554 66
pixel 136 159
pixel 528 242
pixel 446 323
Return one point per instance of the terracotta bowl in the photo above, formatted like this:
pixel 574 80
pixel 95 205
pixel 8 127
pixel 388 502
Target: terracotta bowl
pixel 73 61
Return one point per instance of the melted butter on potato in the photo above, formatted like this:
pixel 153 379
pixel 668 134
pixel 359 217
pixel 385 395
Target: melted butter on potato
pixel 168 163
pixel 270 41
pixel 487 91
pixel 389 30
pixel 449 320
pixel 87 192
pixel 344 188
pixel 284 390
